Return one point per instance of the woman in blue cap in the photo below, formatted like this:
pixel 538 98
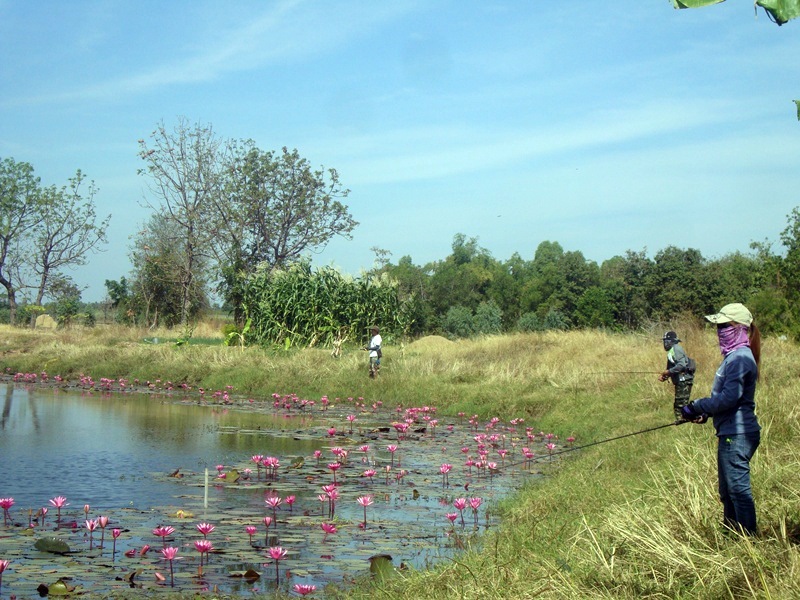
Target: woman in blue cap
pixel 732 407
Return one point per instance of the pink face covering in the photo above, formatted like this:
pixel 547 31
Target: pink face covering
pixel 731 338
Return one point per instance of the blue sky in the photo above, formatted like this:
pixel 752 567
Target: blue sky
pixel 604 126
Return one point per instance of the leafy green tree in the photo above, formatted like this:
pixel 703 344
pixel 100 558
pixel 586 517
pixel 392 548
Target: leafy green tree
pixel 462 278
pixel 594 309
pixel 120 295
pixel 20 199
pixel 413 283
pixel 676 284
pixel 555 319
pixel 558 280
pixel 530 321
pixel 458 322
pixel 488 318
pixel 504 288
pixel 276 208
pixel 624 280
pixel 158 294
pixel 67 303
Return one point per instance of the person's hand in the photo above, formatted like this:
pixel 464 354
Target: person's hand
pixel 689 413
pixel 664 376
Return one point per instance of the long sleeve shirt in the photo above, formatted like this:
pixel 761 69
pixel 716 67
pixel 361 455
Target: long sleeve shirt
pixel 677 363
pixel 732 402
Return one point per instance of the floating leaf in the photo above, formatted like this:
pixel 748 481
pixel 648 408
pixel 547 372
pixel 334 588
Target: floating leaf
pixel 52 544
pixel 232 476
pixel 59 588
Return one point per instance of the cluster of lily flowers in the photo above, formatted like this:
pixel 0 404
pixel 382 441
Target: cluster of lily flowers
pixel 169 553
pixel 500 439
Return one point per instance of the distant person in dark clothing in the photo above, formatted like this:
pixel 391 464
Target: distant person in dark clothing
pixel 680 370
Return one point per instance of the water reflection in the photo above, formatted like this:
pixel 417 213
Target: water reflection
pixel 103 449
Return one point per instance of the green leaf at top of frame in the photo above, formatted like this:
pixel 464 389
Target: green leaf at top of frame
pixel 694 3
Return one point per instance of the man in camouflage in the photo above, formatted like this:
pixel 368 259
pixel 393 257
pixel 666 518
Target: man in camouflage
pixel 680 369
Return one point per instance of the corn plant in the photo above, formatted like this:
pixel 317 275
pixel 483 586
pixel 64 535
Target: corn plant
pixel 298 306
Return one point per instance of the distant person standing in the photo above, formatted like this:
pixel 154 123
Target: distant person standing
pixel 732 405
pixel 375 353
pixel 680 369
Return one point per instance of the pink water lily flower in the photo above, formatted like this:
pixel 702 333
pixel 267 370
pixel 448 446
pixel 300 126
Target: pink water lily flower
pixel 328 528
pixel 3 566
pixel 203 547
pixel 205 528
pixel 277 553
pixel 304 589
pixel 59 502
pixel 91 525
pixel 364 501
pixel 164 531
pixel 171 554
pixel 251 531
pixel 6 504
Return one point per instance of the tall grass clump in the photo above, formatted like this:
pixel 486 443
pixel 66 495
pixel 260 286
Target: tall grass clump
pixel 637 517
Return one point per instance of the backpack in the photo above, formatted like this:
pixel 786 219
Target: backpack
pixel 692 366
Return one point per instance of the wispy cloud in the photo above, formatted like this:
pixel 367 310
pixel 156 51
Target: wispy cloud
pixel 438 152
pixel 289 31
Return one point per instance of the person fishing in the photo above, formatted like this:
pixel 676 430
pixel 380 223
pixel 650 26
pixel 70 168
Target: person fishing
pixel 732 406
pixel 680 369
pixel 375 353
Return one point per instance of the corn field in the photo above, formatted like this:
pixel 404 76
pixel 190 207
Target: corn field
pixel 299 306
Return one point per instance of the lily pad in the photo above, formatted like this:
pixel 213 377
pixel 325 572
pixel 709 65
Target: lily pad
pixel 52 544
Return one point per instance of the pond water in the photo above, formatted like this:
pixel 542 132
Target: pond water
pixel 145 461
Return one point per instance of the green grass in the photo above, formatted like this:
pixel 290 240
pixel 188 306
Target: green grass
pixel 632 518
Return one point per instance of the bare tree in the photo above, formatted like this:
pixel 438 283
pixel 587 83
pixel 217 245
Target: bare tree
pixel 67 230
pixel 184 169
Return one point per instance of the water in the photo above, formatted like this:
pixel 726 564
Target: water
pixel 104 449
pixel 116 451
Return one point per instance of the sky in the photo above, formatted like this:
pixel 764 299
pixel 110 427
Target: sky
pixel 603 126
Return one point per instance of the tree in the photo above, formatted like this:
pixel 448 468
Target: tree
pixel 158 289
pixel 65 232
pixel 678 283
pixel 185 168
pixel 464 277
pixel 20 198
pixel 275 209
pixel 120 298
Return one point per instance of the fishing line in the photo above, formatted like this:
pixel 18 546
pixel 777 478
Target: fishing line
pixel 618 437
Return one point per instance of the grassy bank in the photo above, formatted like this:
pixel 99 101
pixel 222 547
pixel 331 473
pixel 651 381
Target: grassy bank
pixel 632 518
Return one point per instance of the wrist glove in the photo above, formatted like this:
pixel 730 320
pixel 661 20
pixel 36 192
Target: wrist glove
pixel 689 413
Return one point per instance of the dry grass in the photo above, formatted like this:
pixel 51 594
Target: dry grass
pixel 633 518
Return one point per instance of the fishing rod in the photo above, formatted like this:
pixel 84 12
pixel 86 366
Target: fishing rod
pixel 623 372
pixel 618 437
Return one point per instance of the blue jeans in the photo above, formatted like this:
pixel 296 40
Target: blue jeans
pixel 733 466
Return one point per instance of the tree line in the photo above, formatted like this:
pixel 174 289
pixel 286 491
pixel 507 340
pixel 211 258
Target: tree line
pixel 234 222
pixel 470 292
